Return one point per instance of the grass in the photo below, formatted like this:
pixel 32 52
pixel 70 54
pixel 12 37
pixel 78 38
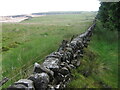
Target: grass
pixel 62 20
pixel 30 41
pixel 99 67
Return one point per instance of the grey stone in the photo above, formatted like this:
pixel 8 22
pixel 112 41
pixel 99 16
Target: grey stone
pixel 40 80
pixel 64 71
pixel 40 68
pixel 22 84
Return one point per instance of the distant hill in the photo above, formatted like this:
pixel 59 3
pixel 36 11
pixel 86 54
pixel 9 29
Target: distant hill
pixel 55 13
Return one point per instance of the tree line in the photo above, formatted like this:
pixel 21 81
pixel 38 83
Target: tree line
pixel 109 15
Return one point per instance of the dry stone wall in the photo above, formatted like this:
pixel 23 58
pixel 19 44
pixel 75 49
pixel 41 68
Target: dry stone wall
pixel 55 72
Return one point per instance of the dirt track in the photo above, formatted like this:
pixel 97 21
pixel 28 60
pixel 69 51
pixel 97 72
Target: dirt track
pixel 7 19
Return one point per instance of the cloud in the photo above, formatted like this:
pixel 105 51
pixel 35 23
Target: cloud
pixel 12 7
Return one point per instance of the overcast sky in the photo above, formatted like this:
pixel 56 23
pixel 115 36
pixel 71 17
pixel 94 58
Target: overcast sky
pixel 14 7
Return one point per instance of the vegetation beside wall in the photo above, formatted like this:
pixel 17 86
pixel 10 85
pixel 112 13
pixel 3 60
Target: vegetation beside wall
pixel 99 66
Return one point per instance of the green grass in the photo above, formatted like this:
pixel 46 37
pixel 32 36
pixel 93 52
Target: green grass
pixel 62 20
pixel 100 62
pixel 30 41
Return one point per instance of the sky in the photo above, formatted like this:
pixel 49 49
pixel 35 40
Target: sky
pixel 17 7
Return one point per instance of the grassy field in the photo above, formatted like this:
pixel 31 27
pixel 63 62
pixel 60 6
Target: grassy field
pixel 31 40
pixel 99 67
